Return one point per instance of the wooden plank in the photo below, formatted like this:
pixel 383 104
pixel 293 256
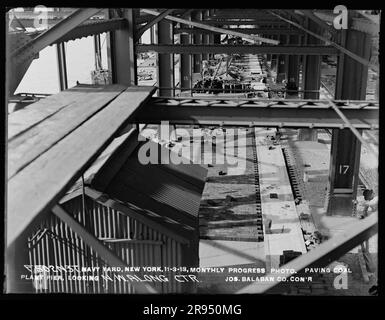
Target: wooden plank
pixel 32 143
pixel 36 188
pixel 102 251
pixel 34 113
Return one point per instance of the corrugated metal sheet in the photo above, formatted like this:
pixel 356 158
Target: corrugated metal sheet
pixel 172 190
pixel 54 243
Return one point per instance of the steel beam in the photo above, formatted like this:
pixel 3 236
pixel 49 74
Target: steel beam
pixel 262 31
pixel 206 37
pixel 90 28
pixel 351 54
pixel 197 39
pixel 185 61
pixel 62 66
pixel 52 34
pixel 311 78
pixel 212 28
pixel 154 21
pixel 359 24
pixel 282 67
pixel 122 55
pixel 229 49
pixel 229 22
pixel 19 60
pixel 346 148
pixel 165 59
pixel 290 113
pixel 293 63
pixel 321 23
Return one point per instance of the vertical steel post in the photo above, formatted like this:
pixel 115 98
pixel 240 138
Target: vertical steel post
pixel 346 148
pixel 122 56
pixel 185 60
pixel 62 66
pixel 165 60
pixel 311 78
pixel 197 39
pixel 98 52
pixel 282 63
pixel 206 36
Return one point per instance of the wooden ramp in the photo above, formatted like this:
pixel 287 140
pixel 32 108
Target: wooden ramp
pixel 277 200
pixel 52 142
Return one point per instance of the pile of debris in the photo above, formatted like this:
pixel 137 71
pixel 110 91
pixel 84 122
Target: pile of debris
pixel 312 239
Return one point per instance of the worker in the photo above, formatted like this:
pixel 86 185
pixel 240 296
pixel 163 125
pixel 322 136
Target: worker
pixel 363 209
pixel 370 203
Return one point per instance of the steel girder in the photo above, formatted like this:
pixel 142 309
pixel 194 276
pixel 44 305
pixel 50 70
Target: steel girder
pixel 229 49
pixel 264 113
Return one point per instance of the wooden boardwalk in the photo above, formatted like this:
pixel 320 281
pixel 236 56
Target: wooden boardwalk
pixel 51 143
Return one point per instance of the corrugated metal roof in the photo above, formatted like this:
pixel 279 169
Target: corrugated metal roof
pixel 169 190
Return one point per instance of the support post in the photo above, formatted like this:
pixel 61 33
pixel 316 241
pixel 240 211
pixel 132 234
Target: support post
pixel 62 66
pixel 311 79
pixel 346 148
pixel 98 51
pixel 122 56
pixel 197 39
pixel 282 62
pixel 293 67
pixel 185 61
pixel 165 60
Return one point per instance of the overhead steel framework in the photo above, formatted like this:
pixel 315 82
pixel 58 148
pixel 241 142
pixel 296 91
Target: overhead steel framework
pixel 263 113
pixel 231 49
pixel 95 123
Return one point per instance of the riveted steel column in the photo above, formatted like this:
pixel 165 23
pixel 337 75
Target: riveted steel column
pixel 165 60
pixel 346 148
pixel 293 67
pixel 206 36
pixel 62 66
pixel 185 60
pixel 311 78
pixel 197 39
pixel 122 56
pixel 282 61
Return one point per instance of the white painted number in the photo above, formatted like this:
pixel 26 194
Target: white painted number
pixel 343 168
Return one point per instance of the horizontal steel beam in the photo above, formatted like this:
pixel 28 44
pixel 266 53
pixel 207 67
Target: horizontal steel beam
pixel 256 49
pixel 51 35
pixel 317 20
pixel 263 113
pixel 245 22
pixel 360 24
pixel 334 44
pixel 264 31
pixel 322 255
pixel 214 29
pixel 91 28
pixel 153 22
